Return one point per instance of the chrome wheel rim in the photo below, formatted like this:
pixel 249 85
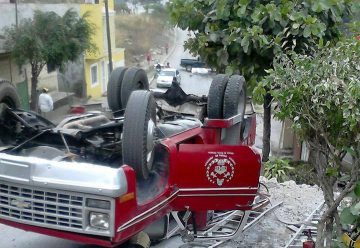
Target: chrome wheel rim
pixel 150 142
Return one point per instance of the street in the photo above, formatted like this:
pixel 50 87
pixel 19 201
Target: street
pixel 191 83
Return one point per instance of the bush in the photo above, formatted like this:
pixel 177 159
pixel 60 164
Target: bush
pixel 350 215
pixel 303 173
pixel 277 168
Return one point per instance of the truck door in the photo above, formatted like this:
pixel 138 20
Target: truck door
pixel 214 177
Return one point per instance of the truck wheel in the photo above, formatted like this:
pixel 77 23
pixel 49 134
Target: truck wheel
pixel 114 88
pixel 138 142
pixel 234 103
pixel 235 97
pixel 134 79
pixel 8 94
pixel 216 96
pixel 188 68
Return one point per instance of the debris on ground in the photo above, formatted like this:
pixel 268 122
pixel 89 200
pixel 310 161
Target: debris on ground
pixel 277 227
pixel 272 231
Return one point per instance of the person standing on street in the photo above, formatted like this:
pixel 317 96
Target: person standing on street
pixel 148 57
pixel 45 103
pixel 167 48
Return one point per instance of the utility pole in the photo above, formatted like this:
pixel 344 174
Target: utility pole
pixel 16 14
pixel 108 35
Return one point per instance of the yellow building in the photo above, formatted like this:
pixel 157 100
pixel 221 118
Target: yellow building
pixel 96 64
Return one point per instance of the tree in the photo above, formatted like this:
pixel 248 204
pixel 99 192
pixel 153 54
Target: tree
pixel 48 39
pixel 122 8
pixel 321 94
pixel 243 36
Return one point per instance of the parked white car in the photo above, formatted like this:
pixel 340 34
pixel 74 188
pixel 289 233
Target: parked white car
pixel 166 76
pixel 200 70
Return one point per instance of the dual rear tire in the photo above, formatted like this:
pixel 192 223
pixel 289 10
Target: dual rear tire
pixel 227 98
pixel 122 82
pixel 128 89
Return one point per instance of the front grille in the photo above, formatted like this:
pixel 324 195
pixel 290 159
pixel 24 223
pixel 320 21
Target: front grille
pixel 60 210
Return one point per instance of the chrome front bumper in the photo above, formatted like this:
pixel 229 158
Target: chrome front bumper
pixel 53 194
pixel 55 209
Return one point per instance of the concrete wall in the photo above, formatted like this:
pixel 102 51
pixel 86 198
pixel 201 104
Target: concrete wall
pixel 95 17
pixel 9 70
pixel 73 79
pixel 100 58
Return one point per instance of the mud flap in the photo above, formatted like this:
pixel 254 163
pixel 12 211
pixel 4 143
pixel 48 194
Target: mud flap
pixel 216 177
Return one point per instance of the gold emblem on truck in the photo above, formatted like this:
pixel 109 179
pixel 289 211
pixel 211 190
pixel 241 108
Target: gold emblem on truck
pixel 20 204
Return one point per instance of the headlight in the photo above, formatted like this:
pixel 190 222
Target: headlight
pixel 99 220
pixel 94 203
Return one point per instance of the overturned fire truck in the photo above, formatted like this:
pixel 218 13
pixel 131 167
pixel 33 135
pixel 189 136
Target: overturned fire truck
pixel 104 179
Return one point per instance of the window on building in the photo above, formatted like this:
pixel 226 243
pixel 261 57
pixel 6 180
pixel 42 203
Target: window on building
pixel 92 1
pixel 103 71
pixel 94 74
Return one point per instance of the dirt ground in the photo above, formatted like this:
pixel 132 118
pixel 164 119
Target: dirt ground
pixel 141 35
pixel 298 202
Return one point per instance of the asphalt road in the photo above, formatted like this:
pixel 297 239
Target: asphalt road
pixel 191 84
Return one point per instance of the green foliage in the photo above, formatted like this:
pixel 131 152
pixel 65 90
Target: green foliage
pixel 158 10
pixel 243 36
pixel 350 215
pixel 49 38
pixel 321 94
pixel 277 168
pixel 144 2
pixel 122 7
pixel 303 173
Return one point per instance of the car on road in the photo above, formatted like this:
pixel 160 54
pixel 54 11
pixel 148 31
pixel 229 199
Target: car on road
pixel 188 64
pixel 166 77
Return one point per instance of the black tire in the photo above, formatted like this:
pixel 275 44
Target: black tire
pixel 216 96
pixel 134 79
pixel 114 88
pixel 235 97
pixel 9 95
pixel 188 68
pixel 136 144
